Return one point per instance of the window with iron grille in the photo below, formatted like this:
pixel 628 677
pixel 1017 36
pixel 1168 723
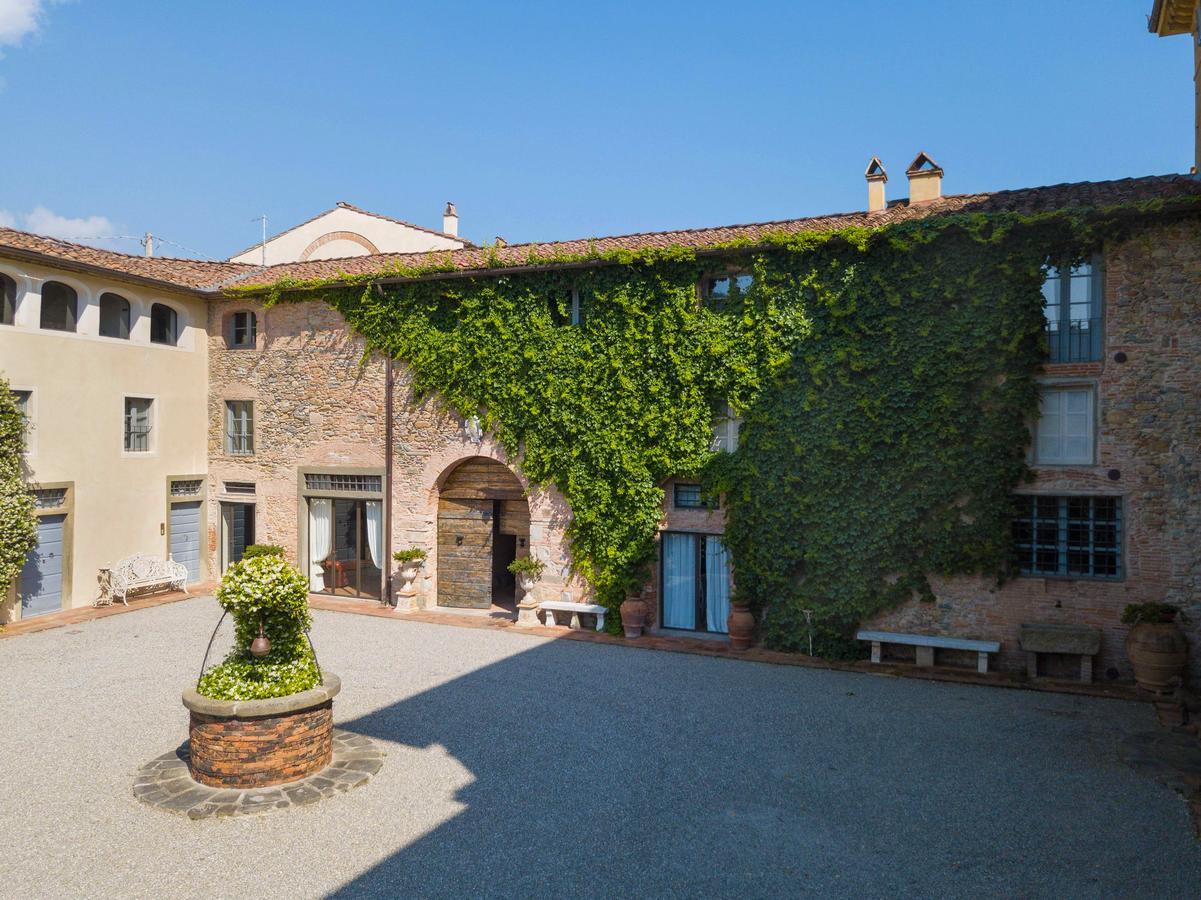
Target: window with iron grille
pixel 49 498
pixel 184 488
pixel 239 427
pixel 321 481
pixel 137 424
pixel 1073 312
pixel 239 487
pixel 1073 537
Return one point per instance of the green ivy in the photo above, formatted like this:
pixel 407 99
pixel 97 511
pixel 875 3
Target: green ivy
pixel 885 377
pixel 18 523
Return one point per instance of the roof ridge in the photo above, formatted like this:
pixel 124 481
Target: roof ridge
pixel 122 253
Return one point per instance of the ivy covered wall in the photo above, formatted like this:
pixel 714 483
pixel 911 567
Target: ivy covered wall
pixel 885 377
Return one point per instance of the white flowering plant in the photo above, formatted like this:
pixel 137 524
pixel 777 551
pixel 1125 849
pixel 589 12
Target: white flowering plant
pixel 18 523
pixel 267 593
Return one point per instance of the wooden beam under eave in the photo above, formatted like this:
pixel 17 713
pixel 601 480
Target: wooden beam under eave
pixel 1169 17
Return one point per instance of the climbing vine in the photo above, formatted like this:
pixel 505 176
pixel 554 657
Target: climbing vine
pixel 885 378
pixel 18 524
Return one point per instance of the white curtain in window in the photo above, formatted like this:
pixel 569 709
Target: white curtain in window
pixel 679 581
pixel 717 584
pixel 375 530
pixel 321 533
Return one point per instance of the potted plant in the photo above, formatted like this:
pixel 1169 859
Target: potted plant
pixel 741 625
pixel 633 616
pixel 1156 646
pixel 410 561
pixel 528 570
pixel 268 694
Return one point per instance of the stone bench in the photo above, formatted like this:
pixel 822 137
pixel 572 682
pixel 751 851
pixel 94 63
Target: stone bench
pixel 140 573
pixel 926 645
pixel 550 607
pixel 1073 640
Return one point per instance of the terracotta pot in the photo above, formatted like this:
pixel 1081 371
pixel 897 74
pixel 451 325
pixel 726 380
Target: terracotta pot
pixel 741 625
pixel 633 617
pixel 1158 651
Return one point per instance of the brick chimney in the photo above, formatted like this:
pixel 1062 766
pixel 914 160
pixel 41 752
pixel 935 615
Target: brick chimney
pixel 925 179
pixel 876 179
pixel 450 220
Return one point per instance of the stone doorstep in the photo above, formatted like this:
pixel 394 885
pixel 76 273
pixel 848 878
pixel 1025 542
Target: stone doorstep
pixel 166 783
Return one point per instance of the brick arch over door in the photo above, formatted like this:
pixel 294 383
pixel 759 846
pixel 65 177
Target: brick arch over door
pixel 483 523
pixel 338 236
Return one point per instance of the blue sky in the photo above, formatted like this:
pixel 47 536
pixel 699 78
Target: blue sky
pixel 546 120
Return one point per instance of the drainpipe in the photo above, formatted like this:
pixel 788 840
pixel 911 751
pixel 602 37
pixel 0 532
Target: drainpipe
pixel 388 479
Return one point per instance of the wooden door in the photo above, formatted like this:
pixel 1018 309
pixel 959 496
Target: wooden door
pixel 465 552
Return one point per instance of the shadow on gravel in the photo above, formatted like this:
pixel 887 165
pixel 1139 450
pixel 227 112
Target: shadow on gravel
pixel 601 771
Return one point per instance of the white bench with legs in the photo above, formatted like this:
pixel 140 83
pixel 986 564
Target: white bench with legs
pixel 140 573
pixel 926 645
pixel 550 607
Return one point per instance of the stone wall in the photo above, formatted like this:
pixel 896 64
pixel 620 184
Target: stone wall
pixel 1148 431
pixel 260 752
pixel 319 402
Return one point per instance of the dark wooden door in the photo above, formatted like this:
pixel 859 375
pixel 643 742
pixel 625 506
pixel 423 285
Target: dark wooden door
pixel 465 552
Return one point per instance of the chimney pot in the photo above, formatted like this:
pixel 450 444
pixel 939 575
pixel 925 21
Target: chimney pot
pixel 925 179
pixel 450 220
pixel 876 179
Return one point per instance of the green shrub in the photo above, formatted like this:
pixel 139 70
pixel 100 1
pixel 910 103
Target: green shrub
pixel 413 556
pixel 1149 613
pixel 264 591
pixel 527 565
pixel 263 550
pixel 18 524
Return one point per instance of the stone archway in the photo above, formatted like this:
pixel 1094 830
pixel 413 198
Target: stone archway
pixel 483 524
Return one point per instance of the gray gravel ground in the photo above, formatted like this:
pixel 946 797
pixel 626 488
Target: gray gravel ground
pixel 521 766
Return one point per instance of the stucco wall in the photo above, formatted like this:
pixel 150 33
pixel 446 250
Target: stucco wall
pixel 386 236
pixel 318 404
pixel 79 383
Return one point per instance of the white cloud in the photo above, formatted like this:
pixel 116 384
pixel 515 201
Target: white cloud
pixel 18 19
pixel 97 230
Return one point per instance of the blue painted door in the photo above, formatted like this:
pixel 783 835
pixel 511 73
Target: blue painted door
pixel 185 537
pixel 41 587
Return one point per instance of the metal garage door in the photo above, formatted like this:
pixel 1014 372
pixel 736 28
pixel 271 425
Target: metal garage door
pixel 41 586
pixel 185 537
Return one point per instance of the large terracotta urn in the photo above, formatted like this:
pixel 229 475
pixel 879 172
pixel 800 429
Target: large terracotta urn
pixel 1158 651
pixel 741 625
pixel 633 617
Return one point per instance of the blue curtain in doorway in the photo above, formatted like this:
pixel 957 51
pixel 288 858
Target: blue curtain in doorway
pixel 679 581
pixel 717 584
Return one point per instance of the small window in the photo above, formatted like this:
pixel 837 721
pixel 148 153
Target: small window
pixel 321 481
pixel 22 399
pixel 49 498
pixel 1072 298
pixel 569 307
pixel 164 325
pixel 239 427
pixel 186 488
pixel 59 306
pixel 1073 537
pixel 8 300
pixel 726 426
pixel 114 316
pixel 1064 434
pixel 689 496
pixel 723 293
pixel 243 330
pixel 137 424
pixel 239 487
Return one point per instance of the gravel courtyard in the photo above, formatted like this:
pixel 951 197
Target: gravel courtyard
pixel 522 766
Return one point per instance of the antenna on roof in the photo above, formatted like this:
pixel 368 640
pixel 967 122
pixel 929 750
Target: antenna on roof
pixel 148 244
pixel 263 245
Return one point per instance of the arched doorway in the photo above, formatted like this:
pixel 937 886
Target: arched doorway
pixel 483 525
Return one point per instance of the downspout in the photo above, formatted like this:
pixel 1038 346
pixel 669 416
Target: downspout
pixel 387 594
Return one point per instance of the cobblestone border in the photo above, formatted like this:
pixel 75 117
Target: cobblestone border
pixel 166 783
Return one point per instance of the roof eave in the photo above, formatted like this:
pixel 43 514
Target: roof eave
pixel 71 265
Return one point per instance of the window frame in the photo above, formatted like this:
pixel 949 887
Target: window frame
pixel 176 329
pixel 1063 546
pixel 1058 350
pixel 252 331
pixel 701 588
pixel 128 311
pixel 30 412
pixel 1088 387
pixel 8 301
pixel 245 436
pixel 127 433
pixel 721 303
pixel 72 308
pixel 726 428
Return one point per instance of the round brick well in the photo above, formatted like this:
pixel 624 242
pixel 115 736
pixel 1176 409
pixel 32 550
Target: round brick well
pixel 259 743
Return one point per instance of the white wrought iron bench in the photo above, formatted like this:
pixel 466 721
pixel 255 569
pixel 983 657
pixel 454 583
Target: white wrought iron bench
pixel 141 573
pixel 926 644
pixel 550 607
